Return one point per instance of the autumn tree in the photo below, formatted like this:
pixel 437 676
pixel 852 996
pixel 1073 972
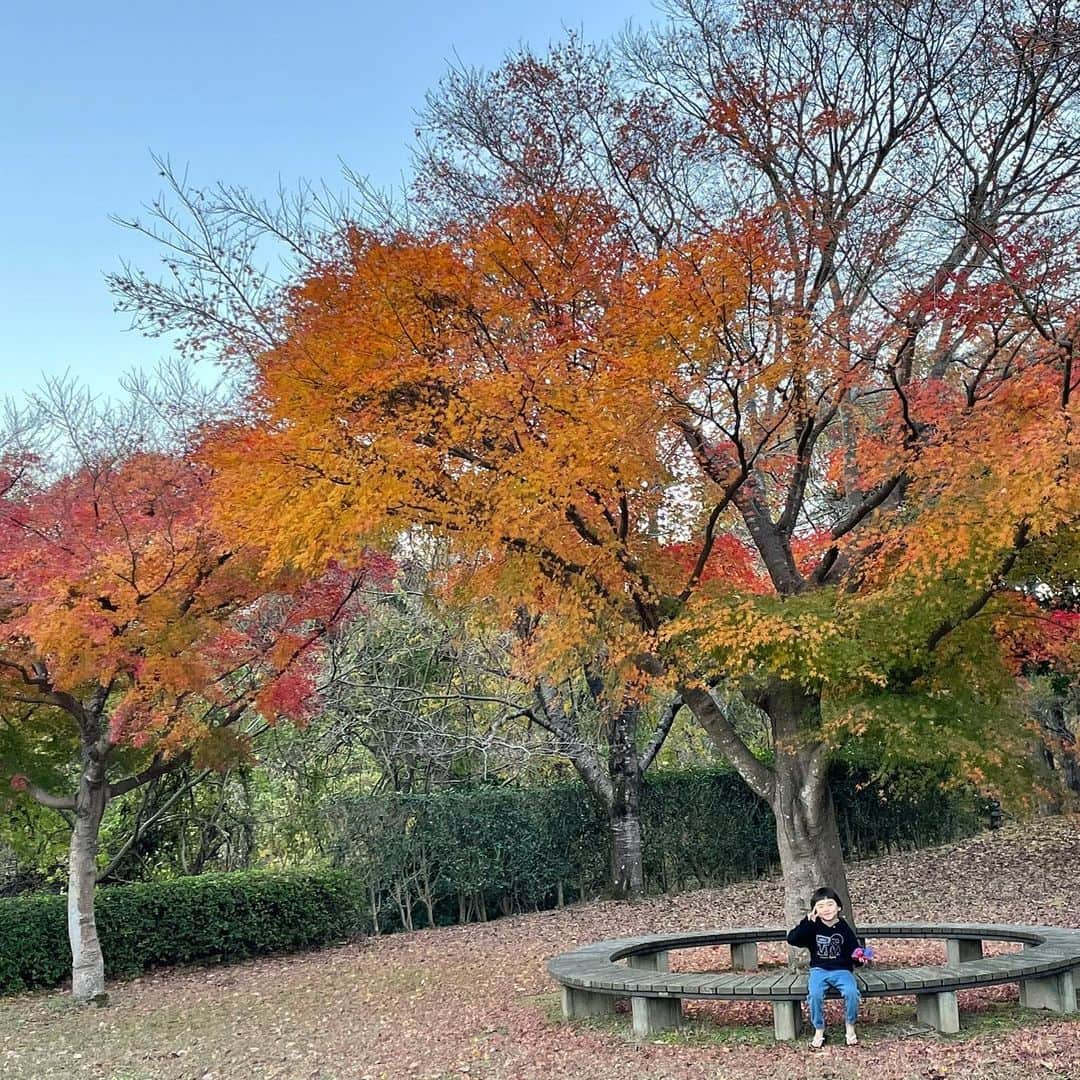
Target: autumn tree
pixel 743 355
pixel 908 179
pixel 135 637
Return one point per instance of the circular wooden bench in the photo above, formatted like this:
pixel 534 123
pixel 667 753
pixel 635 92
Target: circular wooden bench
pixel 595 976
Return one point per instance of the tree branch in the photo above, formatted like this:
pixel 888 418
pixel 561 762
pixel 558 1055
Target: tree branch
pixel 155 769
pixel 142 826
pixel 663 728
pixel 947 626
pixel 757 775
pixel 46 798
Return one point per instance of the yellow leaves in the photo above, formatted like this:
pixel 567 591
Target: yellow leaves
pixel 807 640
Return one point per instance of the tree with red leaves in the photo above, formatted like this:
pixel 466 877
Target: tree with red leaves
pixel 133 634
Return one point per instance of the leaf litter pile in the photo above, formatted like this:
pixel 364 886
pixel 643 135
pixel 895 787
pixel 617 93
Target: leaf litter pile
pixel 475 1001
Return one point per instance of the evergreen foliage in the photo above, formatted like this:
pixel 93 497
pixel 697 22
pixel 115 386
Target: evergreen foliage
pixel 406 861
pixel 213 917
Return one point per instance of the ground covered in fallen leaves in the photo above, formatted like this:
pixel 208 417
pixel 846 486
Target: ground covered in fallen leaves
pixel 475 1001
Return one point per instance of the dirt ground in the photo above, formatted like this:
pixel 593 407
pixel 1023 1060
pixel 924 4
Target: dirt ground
pixel 475 1001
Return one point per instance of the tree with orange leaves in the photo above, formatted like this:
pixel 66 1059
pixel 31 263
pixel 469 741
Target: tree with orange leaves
pixel 758 369
pixel 426 386
pixel 134 634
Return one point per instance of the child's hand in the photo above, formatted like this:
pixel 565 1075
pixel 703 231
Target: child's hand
pixel 863 955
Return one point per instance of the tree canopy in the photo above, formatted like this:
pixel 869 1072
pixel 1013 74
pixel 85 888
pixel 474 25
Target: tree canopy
pixel 742 351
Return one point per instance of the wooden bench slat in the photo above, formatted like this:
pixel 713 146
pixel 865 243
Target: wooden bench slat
pixel 870 980
pixel 765 983
pixel 794 983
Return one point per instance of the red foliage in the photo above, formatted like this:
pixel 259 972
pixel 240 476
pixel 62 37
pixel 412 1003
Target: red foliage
pixel 116 580
pixel 730 563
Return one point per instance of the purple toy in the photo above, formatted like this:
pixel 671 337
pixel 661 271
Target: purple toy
pixel 864 955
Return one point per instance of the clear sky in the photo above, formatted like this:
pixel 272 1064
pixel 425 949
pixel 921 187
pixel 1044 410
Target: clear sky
pixel 238 91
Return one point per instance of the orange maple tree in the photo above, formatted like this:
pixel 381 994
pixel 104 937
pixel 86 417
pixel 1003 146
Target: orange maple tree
pixel 758 368
pixel 137 636
pixel 547 418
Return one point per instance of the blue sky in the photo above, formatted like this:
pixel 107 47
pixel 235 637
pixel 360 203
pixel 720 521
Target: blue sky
pixel 245 93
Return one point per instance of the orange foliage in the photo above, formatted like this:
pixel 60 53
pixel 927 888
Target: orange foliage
pixel 581 422
pixel 115 582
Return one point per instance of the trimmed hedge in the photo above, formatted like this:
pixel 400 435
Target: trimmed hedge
pixel 212 917
pixel 33 942
pixel 707 827
pixel 457 856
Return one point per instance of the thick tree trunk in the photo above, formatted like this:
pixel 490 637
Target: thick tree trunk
pixel 807 836
pixel 796 788
pixel 87 963
pixel 624 769
pixel 806 830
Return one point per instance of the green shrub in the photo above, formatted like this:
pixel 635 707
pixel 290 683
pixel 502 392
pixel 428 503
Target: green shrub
pixel 212 917
pixel 456 856
pixel 33 941
pixel 461 855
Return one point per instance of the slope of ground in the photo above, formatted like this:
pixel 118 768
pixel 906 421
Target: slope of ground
pixel 475 1001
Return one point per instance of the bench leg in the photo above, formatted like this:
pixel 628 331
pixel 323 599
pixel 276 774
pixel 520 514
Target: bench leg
pixel 961 950
pixel 656 961
pixel 581 1004
pixel 1055 992
pixel 787 1020
pixel 939 1011
pixel 653 1015
pixel 744 956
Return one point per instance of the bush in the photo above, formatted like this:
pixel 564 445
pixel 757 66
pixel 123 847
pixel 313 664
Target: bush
pixel 33 942
pixel 456 856
pixel 462 855
pixel 213 917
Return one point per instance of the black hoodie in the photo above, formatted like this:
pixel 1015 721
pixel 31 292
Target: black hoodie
pixel 830 946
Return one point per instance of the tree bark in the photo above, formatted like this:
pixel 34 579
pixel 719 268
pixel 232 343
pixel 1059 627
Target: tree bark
pixel 624 767
pixel 806 830
pixel 87 962
pixel 807 835
pixel 618 789
pixel 796 788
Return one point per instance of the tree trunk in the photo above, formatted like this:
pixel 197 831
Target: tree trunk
pixel 624 769
pixel 1056 750
pixel 807 837
pixel 796 788
pixel 807 834
pixel 87 962
pixel 627 865
pixel 617 788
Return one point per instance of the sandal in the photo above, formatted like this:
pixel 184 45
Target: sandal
pixel 818 1041
pixel 852 1039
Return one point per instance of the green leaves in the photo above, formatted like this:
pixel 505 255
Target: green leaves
pixel 212 917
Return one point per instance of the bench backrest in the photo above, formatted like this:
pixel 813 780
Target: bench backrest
pixel 596 967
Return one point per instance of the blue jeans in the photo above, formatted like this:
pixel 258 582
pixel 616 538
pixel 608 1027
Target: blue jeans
pixel 820 981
